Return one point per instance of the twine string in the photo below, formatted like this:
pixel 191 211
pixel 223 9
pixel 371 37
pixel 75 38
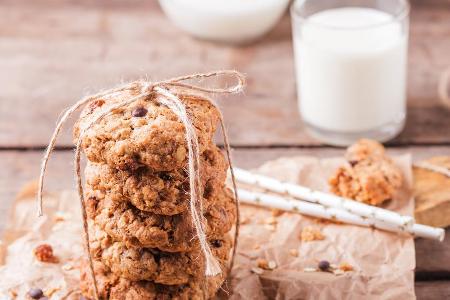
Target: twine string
pixel 174 103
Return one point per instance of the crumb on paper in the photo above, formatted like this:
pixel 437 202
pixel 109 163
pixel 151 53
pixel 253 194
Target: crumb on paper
pixel 262 263
pixel 276 212
pixel 272 265
pixel 68 267
pixel 256 246
pixel 346 267
pixel 310 233
pixel 309 269
pixel 258 271
pixel 266 265
pixel 44 253
pixel 61 216
pixel 49 292
pixel 293 252
pixel 13 294
pixel 338 272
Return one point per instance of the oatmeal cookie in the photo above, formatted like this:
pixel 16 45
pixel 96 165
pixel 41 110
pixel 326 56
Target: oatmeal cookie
pixel 152 264
pixel 364 149
pixel 165 193
pixel 371 181
pixel 137 228
pixel 112 287
pixel 146 133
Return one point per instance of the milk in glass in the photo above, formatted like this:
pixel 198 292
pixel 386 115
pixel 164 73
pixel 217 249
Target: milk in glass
pixel 351 72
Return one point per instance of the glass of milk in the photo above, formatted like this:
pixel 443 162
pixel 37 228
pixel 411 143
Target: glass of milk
pixel 350 60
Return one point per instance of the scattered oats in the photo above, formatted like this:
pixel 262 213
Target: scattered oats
pixel 346 267
pixel 293 252
pixel 309 234
pixel 276 212
pixel 67 267
pixel 338 272
pixel 272 221
pixel 272 265
pixel 61 216
pixel 309 270
pixel 258 271
pixel 265 264
pixel 49 292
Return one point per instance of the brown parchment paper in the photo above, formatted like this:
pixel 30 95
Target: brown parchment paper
pixel 383 262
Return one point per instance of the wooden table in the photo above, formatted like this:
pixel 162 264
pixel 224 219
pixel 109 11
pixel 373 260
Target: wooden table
pixel 53 52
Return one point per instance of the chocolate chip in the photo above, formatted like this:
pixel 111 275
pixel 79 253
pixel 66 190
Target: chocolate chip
pixel 208 190
pixel 353 162
pixel 324 265
pixel 165 176
pixel 139 112
pixel 35 293
pixel 216 243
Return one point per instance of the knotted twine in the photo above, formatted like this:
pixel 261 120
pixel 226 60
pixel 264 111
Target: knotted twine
pixel 171 100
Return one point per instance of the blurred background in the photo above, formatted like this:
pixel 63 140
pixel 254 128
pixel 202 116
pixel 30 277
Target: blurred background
pixel 54 52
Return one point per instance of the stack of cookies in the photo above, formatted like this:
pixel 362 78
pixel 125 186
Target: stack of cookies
pixel 142 238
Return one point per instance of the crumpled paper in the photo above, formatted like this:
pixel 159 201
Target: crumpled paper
pixel 383 262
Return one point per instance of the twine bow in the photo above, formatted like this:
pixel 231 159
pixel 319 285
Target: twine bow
pixel 170 100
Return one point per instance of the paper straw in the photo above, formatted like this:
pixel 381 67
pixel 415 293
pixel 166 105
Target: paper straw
pixel 325 199
pixel 335 214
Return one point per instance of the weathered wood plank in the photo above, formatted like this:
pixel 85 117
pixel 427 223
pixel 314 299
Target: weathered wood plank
pixel 19 167
pixel 432 290
pixel 54 52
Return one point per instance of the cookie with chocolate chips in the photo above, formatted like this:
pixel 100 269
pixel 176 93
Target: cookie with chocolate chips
pixel 146 133
pixel 153 264
pixel 164 192
pixel 136 228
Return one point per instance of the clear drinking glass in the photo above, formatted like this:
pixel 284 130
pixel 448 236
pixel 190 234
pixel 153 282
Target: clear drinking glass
pixel 350 59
